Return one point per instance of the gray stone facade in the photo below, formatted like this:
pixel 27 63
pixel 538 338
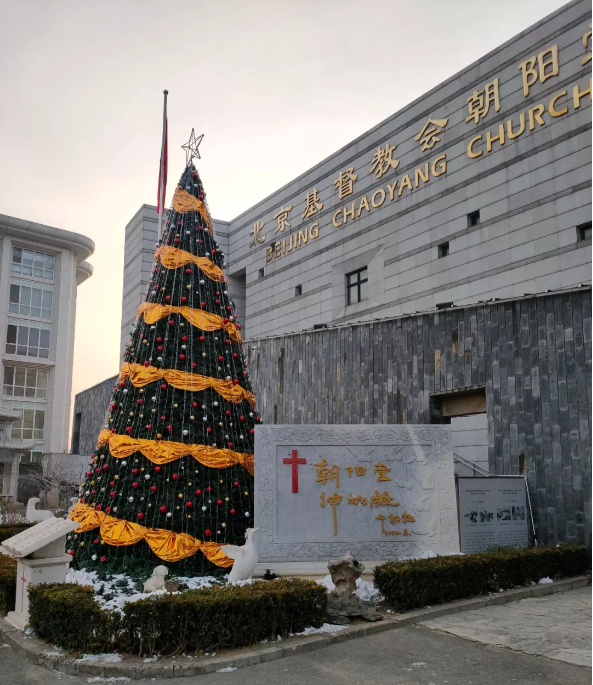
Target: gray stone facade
pixel 530 356
pixel 462 229
pixel 90 411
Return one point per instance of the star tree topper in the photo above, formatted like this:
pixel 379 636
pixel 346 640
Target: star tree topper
pixel 191 148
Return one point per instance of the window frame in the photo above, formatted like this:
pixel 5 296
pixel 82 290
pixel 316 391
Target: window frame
pixel 22 341
pixel 18 308
pixel 356 286
pixel 32 422
pixel 16 267
pixel 30 373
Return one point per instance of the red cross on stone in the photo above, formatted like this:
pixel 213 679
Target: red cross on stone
pixel 294 461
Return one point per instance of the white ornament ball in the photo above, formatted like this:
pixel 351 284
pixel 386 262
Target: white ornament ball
pixel 204 508
pixel 246 513
pixel 94 557
pixel 147 477
pixel 130 499
pixel 169 514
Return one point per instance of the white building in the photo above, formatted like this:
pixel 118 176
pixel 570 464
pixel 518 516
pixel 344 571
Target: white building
pixel 40 270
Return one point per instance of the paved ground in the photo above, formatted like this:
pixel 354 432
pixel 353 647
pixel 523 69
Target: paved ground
pixel 416 655
pixel 555 626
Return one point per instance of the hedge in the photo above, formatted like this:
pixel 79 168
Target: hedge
pixel 68 615
pixel 212 618
pixel 8 530
pixel 7 583
pixel 421 582
pixel 222 617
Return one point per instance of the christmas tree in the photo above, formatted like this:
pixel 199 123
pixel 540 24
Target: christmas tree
pixel 172 476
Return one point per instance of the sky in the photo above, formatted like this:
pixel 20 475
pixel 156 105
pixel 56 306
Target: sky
pixel 275 86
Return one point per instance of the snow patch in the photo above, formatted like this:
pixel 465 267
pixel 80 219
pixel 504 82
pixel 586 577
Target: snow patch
pixel 365 590
pixel 104 658
pixel 545 581
pixel 419 664
pixel 150 659
pixel 112 679
pixel 226 669
pixel 116 591
pixel 325 628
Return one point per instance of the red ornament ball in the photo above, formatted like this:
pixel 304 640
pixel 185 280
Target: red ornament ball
pixel 198 492
pixel 174 476
pixel 157 469
pixel 96 541
pixel 219 502
pixel 98 507
pixel 207 533
pixel 134 471
pixel 202 338
pixel 140 515
pixel 153 488
pixel 188 505
pixel 164 386
pixel 236 483
pixel 103 558
pixel 233 511
pixel 163 510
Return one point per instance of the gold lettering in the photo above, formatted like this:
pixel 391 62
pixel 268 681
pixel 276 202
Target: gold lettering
pixel 535 114
pixel 378 204
pixel 277 251
pixel 405 183
pixel 391 189
pixel 418 174
pixel 269 253
pixel 442 166
pixel 348 212
pixel 490 139
pixel 314 230
pixel 363 203
pixel 290 243
pixel 529 74
pixel 334 222
pixel 283 245
pixel 546 58
pixel 578 94
pixel 470 147
pixel 303 237
pixel 557 112
pixel 510 134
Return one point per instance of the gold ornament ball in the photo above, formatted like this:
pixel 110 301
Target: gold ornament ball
pixel 191 418
pixel 175 406
pixel 159 436
pixel 82 543
pixel 180 495
pixel 226 499
pixel 224 525
pixel 245 493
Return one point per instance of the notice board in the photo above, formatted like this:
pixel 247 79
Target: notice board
pixel 492 513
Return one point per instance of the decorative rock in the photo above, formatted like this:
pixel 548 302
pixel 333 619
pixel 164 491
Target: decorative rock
pixel 342 603
pixel 172 585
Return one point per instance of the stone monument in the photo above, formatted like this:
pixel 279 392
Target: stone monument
pixel 376 492
pixel 41 558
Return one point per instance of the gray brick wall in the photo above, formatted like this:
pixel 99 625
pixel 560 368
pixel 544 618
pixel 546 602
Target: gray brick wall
pixel 532 355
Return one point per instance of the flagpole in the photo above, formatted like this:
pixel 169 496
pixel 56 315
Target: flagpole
pixel 162 181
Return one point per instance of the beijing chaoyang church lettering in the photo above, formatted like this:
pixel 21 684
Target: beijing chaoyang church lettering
pixel 276 236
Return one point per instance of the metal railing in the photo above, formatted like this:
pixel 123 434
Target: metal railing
pixel 476 468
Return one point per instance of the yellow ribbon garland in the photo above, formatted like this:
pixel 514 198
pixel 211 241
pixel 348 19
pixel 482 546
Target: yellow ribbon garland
pixel 205 321
pixel 184 202
pixel 173 258
pixel 166 544
pixel 163 452
pixel 141 375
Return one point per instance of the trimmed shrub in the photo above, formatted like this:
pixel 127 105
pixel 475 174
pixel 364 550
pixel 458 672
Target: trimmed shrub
pixel 7 583
pixel 223 617
pixel 421 582
pixel 211 618
pixel 8 530
pixel 68 615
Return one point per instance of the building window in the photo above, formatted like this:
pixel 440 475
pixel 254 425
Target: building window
pixel 584 232
pixel 356 286
pixel 22 382
pixel 30 299
pixel 473 218
pixel 261 273
pixel 30 426
pixel 298 290
pixel 27 338
pixel 76 433
pixel 30 263
pixel 443 250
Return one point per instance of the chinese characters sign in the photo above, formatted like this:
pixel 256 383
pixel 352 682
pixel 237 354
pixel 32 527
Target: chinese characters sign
pixel 379 492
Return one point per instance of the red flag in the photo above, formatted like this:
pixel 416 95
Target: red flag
pixel 162 189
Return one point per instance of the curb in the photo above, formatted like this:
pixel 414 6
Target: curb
pixel 36 652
